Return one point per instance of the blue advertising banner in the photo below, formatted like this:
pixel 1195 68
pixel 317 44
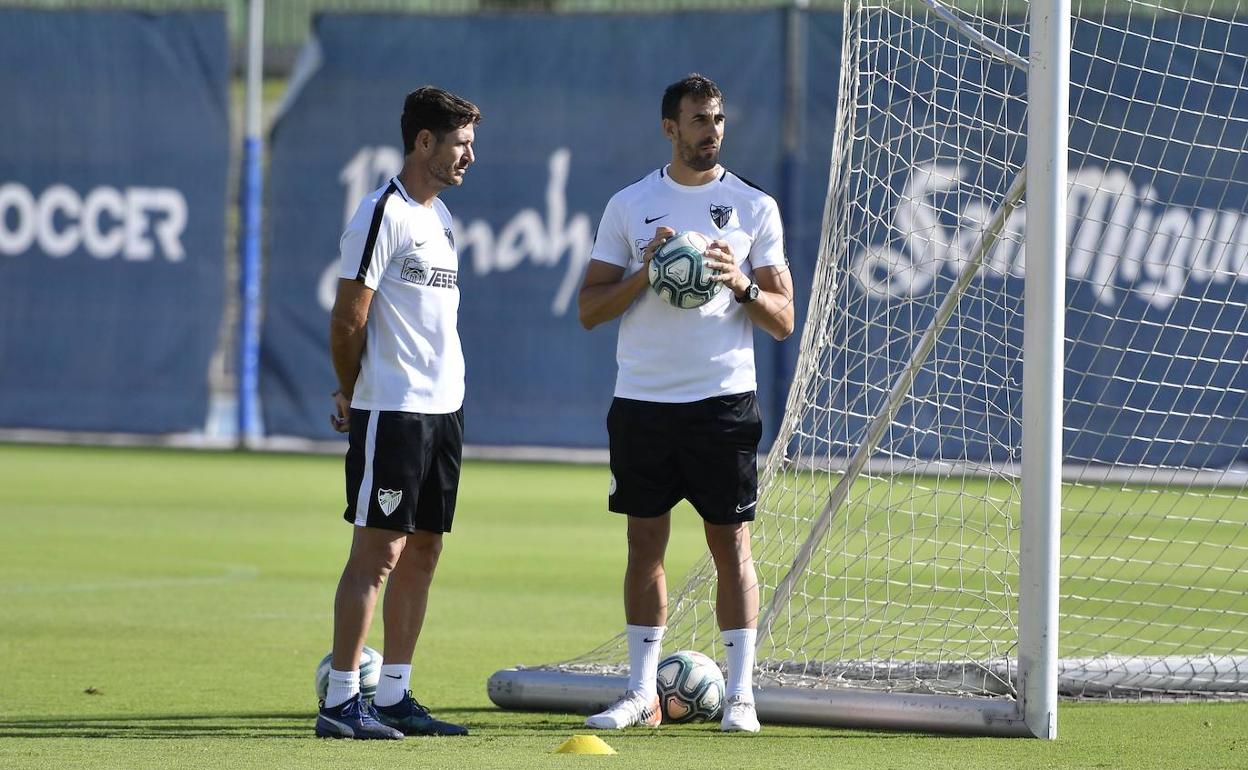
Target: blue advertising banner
pixel 1157 271
pixel 1161 314
pixel 113 162
pixel 571 115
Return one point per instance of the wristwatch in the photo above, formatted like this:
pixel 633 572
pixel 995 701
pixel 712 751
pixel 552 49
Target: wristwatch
pixel 749 295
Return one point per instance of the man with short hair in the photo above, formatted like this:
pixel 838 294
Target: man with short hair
pixel 685 423
pixel 400 371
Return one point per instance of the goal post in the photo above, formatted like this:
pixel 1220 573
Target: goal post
pixel 1044 302
pixel 951 534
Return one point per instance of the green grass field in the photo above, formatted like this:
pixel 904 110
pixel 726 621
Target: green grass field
pixel 167 609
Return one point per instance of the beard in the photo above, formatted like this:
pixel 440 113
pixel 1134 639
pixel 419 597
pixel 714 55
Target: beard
pixel 696 158
pixel 445 173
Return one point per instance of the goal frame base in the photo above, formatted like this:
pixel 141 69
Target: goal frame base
pixel 531 689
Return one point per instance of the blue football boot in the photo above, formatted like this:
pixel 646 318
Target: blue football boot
pixel 414 719
pixel 353 719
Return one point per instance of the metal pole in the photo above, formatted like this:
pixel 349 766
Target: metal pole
pixel 249 241
pixel 1044 318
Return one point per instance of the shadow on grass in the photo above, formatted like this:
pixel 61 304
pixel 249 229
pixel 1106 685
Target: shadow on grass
pixel 513 724
pixel 483 723
pixel 163 726
pixel 250 725
pixel 493 722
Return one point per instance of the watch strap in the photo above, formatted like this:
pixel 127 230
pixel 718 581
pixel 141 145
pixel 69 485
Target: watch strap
pixel 749 295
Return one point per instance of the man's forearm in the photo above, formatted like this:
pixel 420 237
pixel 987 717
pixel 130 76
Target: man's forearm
pixel 773 313
pixel 603 302
pixel 346 347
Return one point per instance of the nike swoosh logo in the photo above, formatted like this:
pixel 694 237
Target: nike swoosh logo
pixel 419 243
pixel 650 641
pixel 654 219
pixel 744 508
pixel 730 644
pixel 394 676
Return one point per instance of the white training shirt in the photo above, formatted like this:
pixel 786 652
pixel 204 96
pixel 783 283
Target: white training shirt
pixel 405 252
pixel 676 355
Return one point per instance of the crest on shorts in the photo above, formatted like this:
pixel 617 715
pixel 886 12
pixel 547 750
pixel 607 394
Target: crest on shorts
pixel 720 215
pixel 389 499
pixel 450 236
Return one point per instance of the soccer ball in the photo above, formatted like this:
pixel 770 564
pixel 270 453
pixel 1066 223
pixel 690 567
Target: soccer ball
pixel 677 274
pixel 691 687
pixel 370 673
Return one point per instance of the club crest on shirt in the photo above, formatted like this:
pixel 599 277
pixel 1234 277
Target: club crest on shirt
pixel 415 270
pixel 720 215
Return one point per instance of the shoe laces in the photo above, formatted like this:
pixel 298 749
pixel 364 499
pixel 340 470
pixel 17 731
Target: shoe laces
pixel 420 710
pixel 738 704
pixel 368 711
pixel 358 707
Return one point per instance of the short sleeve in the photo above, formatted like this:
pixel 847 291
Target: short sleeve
pixel 612 245
pixel 367 244
pixel 768 247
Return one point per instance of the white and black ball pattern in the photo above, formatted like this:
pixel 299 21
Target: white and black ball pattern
pixel 370 673
pixel 677 273
pixel 691 687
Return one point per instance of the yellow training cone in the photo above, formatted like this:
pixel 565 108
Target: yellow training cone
pixel 584 744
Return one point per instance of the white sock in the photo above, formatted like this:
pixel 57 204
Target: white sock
pixel 644 650
pixel 343 686
pixel 394 683
pixel 739 647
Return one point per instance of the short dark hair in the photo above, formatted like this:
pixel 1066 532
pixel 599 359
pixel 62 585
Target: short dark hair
pixel 436 110
pixel 691 85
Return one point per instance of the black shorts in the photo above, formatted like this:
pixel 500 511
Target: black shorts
pixel 705 452
pixel 403 470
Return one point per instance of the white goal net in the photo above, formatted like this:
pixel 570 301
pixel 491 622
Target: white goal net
pixel 888 536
